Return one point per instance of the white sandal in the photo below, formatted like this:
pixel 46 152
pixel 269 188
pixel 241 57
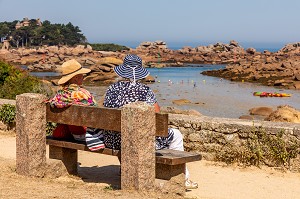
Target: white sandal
pixel 190 184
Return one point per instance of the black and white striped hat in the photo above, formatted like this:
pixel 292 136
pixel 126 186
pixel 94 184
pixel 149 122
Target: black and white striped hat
pixel 132 68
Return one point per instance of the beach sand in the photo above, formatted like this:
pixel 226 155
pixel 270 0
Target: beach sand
pixel 99 176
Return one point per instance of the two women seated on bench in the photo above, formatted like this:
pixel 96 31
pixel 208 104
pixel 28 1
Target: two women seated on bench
pixel 128 89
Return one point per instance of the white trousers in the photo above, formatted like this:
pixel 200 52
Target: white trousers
pixel 177 144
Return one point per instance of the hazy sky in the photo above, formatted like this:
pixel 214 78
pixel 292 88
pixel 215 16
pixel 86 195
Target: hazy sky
pixel 178 22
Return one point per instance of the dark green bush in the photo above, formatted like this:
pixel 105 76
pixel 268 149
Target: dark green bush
pixel 50 127
pixel 7 115
pixel 108 47
pixel 14 81
pixel 7 70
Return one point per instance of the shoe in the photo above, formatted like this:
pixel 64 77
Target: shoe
pixel 190 184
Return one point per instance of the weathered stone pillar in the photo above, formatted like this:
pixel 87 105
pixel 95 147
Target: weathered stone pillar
pixel 137 147
pixel 31 134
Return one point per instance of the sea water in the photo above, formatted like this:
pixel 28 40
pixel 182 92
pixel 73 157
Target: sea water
pixel 213 96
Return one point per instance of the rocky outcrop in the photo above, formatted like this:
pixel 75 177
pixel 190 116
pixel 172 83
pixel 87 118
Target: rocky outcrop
pixel 263 111
pixel 284 114
pixel 292 48
pixel 147 45
pixel 48 58
pixel 218 53
pixel 280 69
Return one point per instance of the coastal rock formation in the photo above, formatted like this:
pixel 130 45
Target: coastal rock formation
pixel 263 111
pixel 152 45
pixel 293 48
pixel 284 114
pixel 218 53
pixel 281 69
pixel 48 58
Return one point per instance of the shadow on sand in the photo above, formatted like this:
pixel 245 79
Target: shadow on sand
pixel 105 174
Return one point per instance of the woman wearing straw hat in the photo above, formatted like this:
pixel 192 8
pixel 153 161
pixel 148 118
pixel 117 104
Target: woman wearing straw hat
pixel 131 90
pixel 72 93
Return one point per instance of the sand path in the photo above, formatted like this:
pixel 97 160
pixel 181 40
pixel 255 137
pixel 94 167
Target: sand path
pixel 216 181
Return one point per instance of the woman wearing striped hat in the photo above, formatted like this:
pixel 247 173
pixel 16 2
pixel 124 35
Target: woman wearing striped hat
pixel 130 89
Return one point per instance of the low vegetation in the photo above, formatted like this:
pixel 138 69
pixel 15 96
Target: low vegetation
pixel 14 81
pixel 261 148
pixel 7 115
pixel 108 47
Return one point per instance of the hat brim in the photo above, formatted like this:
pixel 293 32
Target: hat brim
pixel 66 78
pixel 140 72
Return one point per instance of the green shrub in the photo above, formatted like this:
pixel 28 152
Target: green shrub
pixel 108 47
pixel 7 115
pixel 7 70
pixel 50 128
pixel 14 81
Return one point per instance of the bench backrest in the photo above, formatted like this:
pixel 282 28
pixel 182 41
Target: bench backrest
pixel 98 117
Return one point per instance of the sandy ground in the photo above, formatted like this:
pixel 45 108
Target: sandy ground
pixel 99 179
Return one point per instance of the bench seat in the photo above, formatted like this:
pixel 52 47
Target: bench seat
pixel 164 156
pixel 170 165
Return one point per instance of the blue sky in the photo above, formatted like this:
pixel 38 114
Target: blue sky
pixel 256 23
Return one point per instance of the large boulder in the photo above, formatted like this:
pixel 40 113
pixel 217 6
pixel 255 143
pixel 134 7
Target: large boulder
pixel 284 114
pixel 110 60
pixel 149 78
pixel 263 111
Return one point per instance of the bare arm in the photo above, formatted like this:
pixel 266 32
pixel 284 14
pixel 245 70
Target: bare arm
pixel 157 107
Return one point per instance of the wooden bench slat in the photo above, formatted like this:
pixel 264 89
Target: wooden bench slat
pixel 174 157
pixel 107 118
pixel 79 146
pixel 164 156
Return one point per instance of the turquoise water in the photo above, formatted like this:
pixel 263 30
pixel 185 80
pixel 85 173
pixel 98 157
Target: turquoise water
pixel 213 96
pixel 190 74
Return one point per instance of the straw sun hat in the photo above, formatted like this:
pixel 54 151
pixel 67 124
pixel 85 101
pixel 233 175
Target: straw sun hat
pixel 69 69
pixel 132 68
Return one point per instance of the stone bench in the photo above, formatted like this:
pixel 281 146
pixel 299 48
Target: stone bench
pixel 138 124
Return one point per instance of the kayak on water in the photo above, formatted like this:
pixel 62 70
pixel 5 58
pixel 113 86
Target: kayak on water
pixel 267 94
